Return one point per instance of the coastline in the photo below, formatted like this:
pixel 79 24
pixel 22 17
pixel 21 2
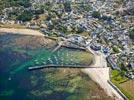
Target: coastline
pixel 99 75
pixel 20 31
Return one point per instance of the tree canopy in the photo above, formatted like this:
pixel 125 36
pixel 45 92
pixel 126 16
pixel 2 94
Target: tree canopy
pixel 67 6
pixel 96 14
pixel 15 3
pixel 25 16
pixel 131 34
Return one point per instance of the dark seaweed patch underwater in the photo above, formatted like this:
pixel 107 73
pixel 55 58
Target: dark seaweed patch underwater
pixel 18 83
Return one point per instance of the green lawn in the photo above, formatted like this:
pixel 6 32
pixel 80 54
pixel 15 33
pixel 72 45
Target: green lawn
pixel 123 83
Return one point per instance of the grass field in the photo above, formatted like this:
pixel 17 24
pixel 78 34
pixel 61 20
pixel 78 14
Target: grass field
pixel 123 83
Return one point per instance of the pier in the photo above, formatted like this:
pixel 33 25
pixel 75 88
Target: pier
pixel 59 66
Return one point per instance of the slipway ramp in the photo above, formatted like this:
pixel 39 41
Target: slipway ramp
pixel 99 72
pixel 101 76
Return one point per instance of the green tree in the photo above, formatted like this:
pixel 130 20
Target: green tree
pixel 80 30
pixel 14 3
pixel 115 49
pixel 67 6
pixel 85 7
pixel 123 67
pixel 131 34
pixel 96 14
pixel 25 16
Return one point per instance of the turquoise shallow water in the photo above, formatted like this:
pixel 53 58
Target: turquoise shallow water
pixel 17 53
pixel 17 82
pixel 14 76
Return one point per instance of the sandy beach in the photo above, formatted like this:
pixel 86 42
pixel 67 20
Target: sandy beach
pixel 20 31
pixel 100 74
